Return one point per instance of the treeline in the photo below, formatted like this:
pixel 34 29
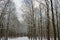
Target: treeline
pixel 41 17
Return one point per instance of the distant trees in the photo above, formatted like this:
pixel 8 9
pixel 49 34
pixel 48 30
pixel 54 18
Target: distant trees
pixel 48 19
pixel 31 21
pixel 7 15
pixel 35 17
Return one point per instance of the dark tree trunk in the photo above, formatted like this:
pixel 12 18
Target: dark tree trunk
pixel 48 22
pixel 53 21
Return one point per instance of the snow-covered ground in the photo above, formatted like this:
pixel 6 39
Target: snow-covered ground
pixel 25 38
pixel 19 38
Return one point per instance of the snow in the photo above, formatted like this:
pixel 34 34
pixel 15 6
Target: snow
pixel 25 38
pixel 19 38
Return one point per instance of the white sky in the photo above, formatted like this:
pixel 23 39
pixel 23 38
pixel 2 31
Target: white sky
pixel 18 5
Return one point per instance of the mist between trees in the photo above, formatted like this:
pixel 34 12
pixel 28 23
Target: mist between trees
pixel 34 19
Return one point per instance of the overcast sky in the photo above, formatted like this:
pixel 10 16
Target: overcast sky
pixel 18 4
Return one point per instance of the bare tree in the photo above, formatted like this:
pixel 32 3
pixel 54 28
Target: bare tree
pixel 40 22
pixel 53 21
pixel 6 35
pixel 2 18
pixel 33 21
pixel 48 22
pixel 56 7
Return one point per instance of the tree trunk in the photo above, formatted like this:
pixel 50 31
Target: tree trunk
pixel 56 1
pixel 33 21
pixel 53 21
pixel 48 22
pixel 41 21
pixel 7 31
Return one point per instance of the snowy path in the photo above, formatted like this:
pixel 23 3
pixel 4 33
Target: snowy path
pixel 25 38
pixel 19 38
